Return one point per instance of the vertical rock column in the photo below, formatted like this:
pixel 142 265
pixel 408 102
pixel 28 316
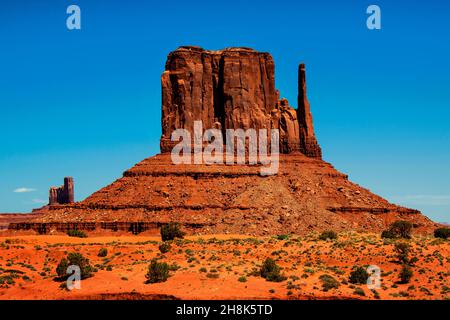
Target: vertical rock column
pixel 68 190
pixel 308 142
pixel 53 196
pixel 63 194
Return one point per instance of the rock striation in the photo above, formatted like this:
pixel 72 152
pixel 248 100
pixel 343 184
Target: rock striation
pixel 232 88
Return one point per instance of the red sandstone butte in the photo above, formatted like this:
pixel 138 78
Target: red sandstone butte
pixel 63 194
pixel 230 88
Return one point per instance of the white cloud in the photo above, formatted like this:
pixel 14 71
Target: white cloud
pixel 22 190
pixel 423 199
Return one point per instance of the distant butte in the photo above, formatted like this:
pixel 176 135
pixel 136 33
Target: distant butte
pixel 230 88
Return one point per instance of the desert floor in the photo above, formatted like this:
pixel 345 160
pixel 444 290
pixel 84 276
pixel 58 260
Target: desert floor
pixel 221 267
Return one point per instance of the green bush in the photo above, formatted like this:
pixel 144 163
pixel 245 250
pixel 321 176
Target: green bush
pixel 283 236
pixel 443 233
pixel 164 247
pixel 103 252
pixel 61 268
pixel 328 282
pixel 212 275
pixel 76 233
pixel 402 250
pixel 157 272
pixel 171 231
pixel 398 229
pixel 359 276
pixel 271 271
pixel 76 259
pixel 406 274
pixel 329 234
pixel 359 292
pixel 388 234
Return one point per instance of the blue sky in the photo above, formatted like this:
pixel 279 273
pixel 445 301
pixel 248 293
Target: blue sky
pixel 86 103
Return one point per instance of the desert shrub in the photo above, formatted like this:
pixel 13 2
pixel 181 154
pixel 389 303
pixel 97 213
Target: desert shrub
pixel 77 233
pixel 171 231
pixel 271 271
pixel 388 234
pixel 406 274
pixel 402 250
pixel 283 236
pixel 359 275
pixel 103 252
pixel 212 275
pixel 328 282
pixel 398 229
pixel 61 268
pixel 329 234
pixel 157 272
pixel 376 295
pixel 359 292
pixel 443 233
pixel 74 259
pixel 164 247
pixel 242 279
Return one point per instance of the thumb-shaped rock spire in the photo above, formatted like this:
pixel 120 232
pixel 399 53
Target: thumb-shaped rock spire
pixel 308 141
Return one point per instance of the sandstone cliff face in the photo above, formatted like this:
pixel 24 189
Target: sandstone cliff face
pixel 231 89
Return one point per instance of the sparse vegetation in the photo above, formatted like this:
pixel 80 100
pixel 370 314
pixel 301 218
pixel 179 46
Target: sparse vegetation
pixel 103 252
pixel 271 271
pixel 157 272
pixel 212 275
pixel 77 233
pixel 443 233
pixel 329 234
pixel 402 250
pixel 406 274
pixel 398 229
pixel 359 275
pixel 328 282
pixel 283 236
pixel 171 231
pixel 359 292
pixel 164 247
pixel 75 259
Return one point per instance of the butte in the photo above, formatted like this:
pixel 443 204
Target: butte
pixel 230 89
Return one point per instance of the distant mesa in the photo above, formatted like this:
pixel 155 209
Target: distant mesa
pixel 228 89
pixel 63 194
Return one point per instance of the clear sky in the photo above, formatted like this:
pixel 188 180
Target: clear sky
pixel 86 103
